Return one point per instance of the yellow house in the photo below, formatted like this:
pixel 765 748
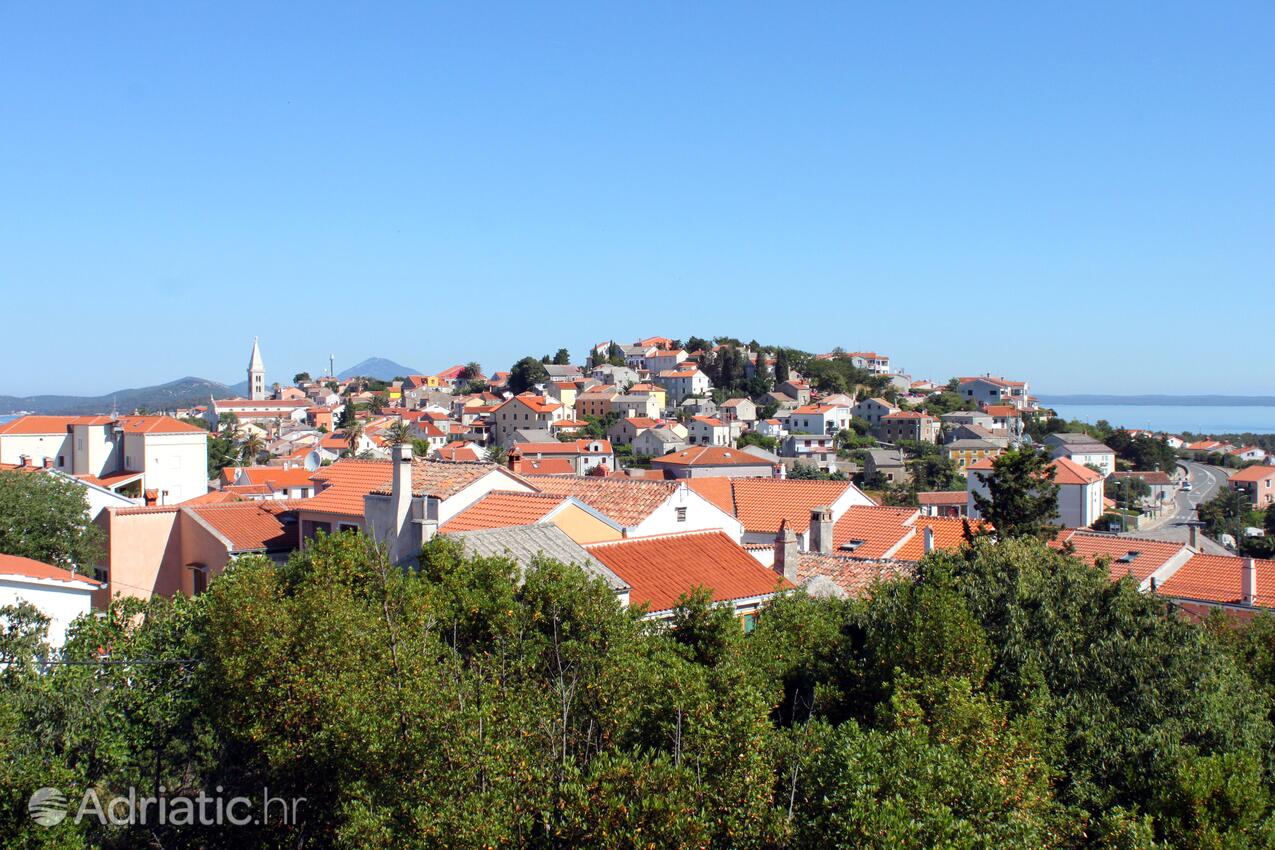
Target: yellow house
pixel 655 391
pixel 965 452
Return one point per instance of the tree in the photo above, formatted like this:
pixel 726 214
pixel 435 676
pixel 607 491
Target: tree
pixel 1224 514
pixel 525 374
pixel 227 423
pixel 781 366
pixel 349 414
pixel 1022 498
pixel 497 455
pixel 398 433
pixel 470 371
pixel 45 518
pixel 376 403
pixel 615 355
pixel 251 447
pixel 301 378
pixel 562 357
pixel 354 436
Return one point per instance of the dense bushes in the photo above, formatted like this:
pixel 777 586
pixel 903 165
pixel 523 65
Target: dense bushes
pixel 1008 697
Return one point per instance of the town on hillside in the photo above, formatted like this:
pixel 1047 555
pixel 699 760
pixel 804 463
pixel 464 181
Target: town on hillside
pixel 662 466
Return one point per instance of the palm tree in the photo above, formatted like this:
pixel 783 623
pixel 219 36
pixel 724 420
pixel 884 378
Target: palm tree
pixel 252 447
pixel 472 370
pixel 497 455
pixel 353 433
pixel 397 434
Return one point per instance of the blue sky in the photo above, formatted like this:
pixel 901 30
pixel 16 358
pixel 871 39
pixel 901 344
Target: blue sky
pixel 1078 194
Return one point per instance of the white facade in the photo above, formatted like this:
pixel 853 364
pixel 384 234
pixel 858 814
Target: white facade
pixel 686 510
pixel 680 385
pixel 872 409
pixel 61 600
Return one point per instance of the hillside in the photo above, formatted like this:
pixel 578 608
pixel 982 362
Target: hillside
pixel 380 368
pixel 183 392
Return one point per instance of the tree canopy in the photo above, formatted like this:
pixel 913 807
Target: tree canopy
pixel 45 517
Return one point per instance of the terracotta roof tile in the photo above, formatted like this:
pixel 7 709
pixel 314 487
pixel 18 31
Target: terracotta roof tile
pixel 499 509
pixel 1254 473
pixel 1219 578
pixel 15 565
pixel 251 526
pixel 1136 556
pixel 628 501
pixel 708 456
pixel 761 504
pixel 662 568
pixel 853 576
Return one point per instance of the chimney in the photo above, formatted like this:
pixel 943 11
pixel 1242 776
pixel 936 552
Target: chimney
pixel 48 462
pixel 821 530
pixel 1193 535
pixel 513 459
pixel 401 486
pixel 786 552
pixel 24 460
pixel 929 540
pixel 1248 582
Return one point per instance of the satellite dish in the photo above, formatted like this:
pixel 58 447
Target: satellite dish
pixel 313 461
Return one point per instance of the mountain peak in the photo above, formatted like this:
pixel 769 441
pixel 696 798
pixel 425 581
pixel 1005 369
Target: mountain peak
pixel 380 368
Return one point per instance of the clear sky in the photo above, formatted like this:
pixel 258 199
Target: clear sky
pixel 1078 194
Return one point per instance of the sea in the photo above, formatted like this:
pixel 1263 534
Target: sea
pixel 1177 418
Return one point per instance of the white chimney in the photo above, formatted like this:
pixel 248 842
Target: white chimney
pixel 1248 582
pixel 929 540
pixel 401 487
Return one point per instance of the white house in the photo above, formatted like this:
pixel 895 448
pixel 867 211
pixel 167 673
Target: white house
pixel 525 412
pixel 819 419
pixel 129 455
pixel 872 410
pixel 682 383
pixel 1079 491
pixel 642 506
pixel 1084 450
pixel 707 431
pixel 663 361
pixel 984 389
pixel 58 594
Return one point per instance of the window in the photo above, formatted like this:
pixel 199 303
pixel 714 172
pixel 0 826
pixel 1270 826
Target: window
pixel 749 622
pixel 198 579
pixel 681 514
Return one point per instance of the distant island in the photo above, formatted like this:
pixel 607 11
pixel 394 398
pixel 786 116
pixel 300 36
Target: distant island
pixel 1164 400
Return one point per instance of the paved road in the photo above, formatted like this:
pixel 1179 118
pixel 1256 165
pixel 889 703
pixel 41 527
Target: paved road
pixel 1206 482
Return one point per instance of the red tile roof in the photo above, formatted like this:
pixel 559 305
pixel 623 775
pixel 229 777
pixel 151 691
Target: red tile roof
pixel 943 497
pixel 628 501
pixel 1219 578
pixel 278 477
pixel 156 425
pixel 500 509
pixel 874 531
pixel 1135 556
pixel 662 568
pixel 708 456
pixel 573 447
pixel 1254 473
pixel 761 504
pixel 1067 471
pixel 547 466
pixel 537 403
pixel 15 565
pixel 460 451
pixel 42 425
pixel 853 576
pixel 250 526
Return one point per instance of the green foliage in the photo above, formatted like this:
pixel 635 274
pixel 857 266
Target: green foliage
pixel 525 374
pixel 301 378
pixel 1022 498
pixel 1224 513
pixel 1009 696
pixel 45 517
pixel 752 438
pixel 562 357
